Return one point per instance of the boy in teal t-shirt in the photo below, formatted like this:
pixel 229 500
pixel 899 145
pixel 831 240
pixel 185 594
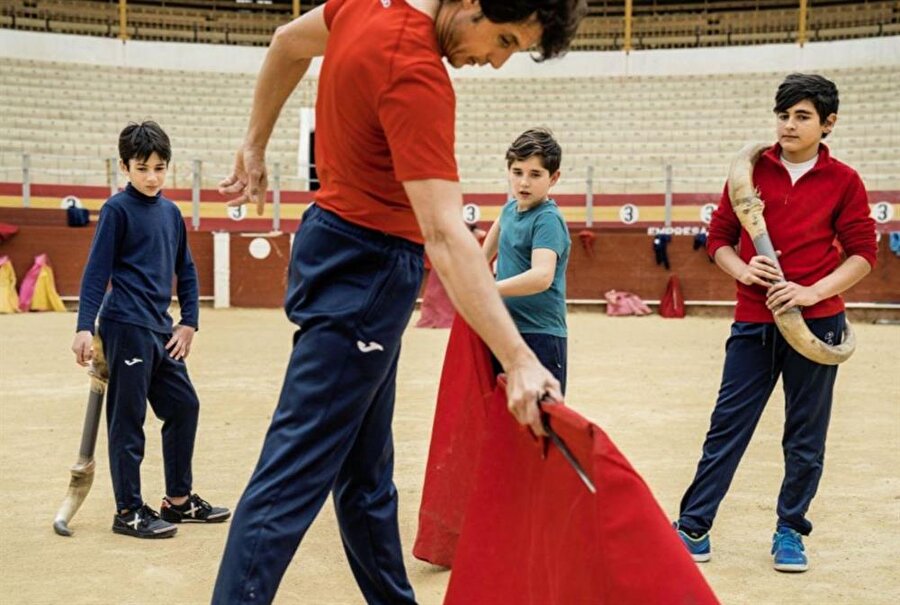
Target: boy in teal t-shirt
pixel 532 243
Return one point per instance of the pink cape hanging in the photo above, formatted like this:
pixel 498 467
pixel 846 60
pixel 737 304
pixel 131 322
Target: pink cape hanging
pixel 38 290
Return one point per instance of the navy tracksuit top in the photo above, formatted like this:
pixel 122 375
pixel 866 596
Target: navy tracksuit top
pixel 140 244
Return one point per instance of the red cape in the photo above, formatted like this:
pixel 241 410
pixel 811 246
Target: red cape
pixel 535 535
pixel 466 389
pixel 522 529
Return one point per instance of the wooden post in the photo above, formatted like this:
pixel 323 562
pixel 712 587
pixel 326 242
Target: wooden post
pixel 123 20
pixel 801 25
pixel 627 45
pixel 296 9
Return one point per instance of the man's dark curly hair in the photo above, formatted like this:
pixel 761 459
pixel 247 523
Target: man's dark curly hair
pixel 558 18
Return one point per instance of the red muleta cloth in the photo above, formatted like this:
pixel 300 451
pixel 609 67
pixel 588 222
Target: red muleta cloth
pixel 535 535
pixel 466 389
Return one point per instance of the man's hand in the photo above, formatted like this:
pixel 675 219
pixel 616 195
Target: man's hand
pixel 180 344
pixel 787 295
pixel 527 382
pixel 249 179
pixel 761 271
pixel 83 348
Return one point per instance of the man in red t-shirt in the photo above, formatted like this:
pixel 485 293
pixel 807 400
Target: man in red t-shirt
pixel 810 200
pixel 385 113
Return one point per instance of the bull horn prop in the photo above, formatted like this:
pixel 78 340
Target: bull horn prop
pixel 82 474
pixel 749 209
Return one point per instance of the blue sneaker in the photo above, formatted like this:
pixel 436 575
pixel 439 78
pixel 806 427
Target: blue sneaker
pixel 698 547
pixel 787 546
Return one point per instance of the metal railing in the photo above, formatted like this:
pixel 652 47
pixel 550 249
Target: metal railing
pixel 667 179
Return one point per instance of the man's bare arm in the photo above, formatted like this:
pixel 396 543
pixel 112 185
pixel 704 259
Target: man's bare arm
pixel 292 49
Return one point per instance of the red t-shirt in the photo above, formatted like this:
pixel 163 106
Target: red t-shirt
pixel 385 113
pixel 803 220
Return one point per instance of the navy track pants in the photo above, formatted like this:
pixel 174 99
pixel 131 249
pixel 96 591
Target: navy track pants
pixel 140 369
pixel 756 355
pixel 351 291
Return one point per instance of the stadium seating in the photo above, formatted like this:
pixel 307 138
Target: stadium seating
pixel 626 129
pixel 654 25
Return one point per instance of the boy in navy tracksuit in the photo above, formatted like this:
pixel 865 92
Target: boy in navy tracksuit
pixel 810 199
pixel 140 244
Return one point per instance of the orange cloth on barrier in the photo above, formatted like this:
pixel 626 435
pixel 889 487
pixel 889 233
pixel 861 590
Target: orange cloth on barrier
pixel 535 535
pixel 467 386
pixel 9 298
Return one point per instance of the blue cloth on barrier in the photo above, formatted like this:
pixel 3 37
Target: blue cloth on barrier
pixel 895 242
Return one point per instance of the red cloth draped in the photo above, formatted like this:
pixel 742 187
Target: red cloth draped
pixel 467 385
pixel 534 535
pixel 7 231
pixel 672 303
pixel 437 311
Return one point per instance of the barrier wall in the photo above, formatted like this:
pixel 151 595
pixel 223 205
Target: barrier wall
pixel 258 282
pixel 45 232
pixel 608 211
pixel 618 259
pixel 625 261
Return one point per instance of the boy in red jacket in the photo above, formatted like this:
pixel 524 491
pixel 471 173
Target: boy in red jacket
pixel 810 199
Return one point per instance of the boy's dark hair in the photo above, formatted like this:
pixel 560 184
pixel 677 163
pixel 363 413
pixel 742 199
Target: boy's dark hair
pixel 559 20
pixel 536 142
pixel 140 141
pixel 819 91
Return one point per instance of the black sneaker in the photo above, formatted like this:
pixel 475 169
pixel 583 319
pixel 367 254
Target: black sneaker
pixel 143 523
pixel 194 510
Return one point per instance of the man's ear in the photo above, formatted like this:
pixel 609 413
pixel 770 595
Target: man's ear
pixel 828 124
pixel 554 177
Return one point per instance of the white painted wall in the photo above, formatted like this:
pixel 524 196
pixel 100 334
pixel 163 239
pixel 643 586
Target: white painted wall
pixel 133 53
pixel 866 52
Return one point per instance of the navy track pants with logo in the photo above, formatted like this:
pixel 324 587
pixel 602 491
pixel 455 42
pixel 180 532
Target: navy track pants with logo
pixel 140 369
pixel 756 355
pixel 351 291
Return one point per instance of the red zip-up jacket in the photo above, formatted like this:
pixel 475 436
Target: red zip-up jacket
pixel 803 220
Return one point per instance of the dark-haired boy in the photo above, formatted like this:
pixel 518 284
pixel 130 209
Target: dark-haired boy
pixel 810 199
pixel 532 243
pixel 139 245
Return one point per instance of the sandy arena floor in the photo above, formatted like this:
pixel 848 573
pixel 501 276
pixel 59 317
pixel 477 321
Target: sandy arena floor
pixel 650 383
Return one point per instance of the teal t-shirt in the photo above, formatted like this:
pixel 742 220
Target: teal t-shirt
pixel 521 232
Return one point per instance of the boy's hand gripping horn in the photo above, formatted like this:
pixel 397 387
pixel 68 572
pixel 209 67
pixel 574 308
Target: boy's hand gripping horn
pixel 749 209
pixel 82 474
